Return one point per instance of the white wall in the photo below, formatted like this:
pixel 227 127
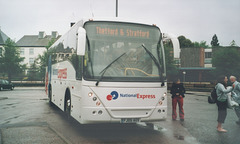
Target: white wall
pixel 36 51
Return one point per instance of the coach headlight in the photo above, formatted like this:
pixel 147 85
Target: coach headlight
pixel 90 94
pixel 160 102
pixel 165 94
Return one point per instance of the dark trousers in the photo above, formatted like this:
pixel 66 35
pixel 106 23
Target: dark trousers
pixel 222 111
pixel 179 101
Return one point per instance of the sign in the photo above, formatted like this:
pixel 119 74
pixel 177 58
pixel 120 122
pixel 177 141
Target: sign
pixel 62 73
pixel 114 95
pixel 122 32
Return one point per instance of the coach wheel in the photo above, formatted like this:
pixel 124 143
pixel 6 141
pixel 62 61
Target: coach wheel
pixel 68 104
pixel 1 88
pixel 50 97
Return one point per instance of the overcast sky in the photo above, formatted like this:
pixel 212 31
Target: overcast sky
pixel 197 20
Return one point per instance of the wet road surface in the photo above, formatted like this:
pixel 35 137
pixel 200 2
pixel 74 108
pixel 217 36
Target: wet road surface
pixel 26 117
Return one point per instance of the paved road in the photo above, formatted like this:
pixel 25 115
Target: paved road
pixel 26 117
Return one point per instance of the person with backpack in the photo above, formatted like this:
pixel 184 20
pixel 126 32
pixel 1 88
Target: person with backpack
pixel 222 101
pixel 236 96
pixel 177 91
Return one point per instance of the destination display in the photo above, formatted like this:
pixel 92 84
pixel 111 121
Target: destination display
pixel 96 30
pixel 122 32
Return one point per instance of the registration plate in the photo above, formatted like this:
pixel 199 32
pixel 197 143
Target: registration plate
pixel 130 120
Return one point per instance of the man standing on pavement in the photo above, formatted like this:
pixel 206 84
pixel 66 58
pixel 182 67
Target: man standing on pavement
pixel 177 91
pixel 236 96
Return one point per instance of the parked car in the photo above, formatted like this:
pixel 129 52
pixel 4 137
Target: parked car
pixel 4 84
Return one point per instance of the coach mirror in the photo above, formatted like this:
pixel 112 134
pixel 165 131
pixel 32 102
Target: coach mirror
pixel 81 43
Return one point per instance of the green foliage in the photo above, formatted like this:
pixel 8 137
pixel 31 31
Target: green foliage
pixel 233 43
pixel 33 73
pixel 10 62
pixel 50 43
pixel 202 44
pixel 184 42
pixel 214 41
pixel 226 61
pixel 42 60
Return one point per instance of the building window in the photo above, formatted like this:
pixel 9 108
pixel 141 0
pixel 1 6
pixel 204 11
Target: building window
pixel 31 51
pixel 208 54
pixel 208 61
pixel 31 61
pixel 21 51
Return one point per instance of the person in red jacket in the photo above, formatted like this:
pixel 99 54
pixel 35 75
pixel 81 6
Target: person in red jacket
pixel 177 91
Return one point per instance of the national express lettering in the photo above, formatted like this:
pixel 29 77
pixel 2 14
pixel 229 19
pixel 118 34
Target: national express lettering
pixel 114 96
pixel 62 73
pixel 122 32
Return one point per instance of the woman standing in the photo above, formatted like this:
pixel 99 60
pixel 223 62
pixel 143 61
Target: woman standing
pixel 222 101
pixel 177 91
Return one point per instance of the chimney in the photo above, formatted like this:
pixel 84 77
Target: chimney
pixel 54 34
pixel 41 34
pixel 72 23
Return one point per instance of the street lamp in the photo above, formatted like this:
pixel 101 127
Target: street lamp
pixel 184 74
pixel 116 8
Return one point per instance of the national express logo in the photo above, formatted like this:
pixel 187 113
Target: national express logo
pixel 114 95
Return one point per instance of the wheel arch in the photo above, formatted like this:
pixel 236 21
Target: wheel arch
pixel 66 97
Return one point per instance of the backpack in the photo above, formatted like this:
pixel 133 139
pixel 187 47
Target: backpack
pixel 213 97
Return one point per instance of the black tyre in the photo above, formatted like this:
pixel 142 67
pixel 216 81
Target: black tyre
pixel 1 88
pixel 67 104
pixel 50 96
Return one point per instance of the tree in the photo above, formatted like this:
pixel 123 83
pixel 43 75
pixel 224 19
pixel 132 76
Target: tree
pixel 233 43
pixel 42 60
pixel 214 41
pixel 10 62
pixel 184 42
pixel 226 61
pixel 33 73
pixel 202 44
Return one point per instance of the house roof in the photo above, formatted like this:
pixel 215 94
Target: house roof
pixel 3 37
pixel 35 41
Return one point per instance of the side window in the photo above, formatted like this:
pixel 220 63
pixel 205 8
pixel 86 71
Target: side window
pixel 79 68
pixel 1 51
pixel 77 64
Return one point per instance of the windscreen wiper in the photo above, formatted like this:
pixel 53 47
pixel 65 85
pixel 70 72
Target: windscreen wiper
pixel 105 69
pixel 156 62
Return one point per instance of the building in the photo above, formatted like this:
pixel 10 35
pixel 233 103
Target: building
pixel 3 38
pixel 196 64
pixel 33 45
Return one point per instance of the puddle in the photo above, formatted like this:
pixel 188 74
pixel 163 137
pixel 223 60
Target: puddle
pixel 152 126
pixel 44 99
pixel 179 137
pixel 3 98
